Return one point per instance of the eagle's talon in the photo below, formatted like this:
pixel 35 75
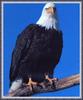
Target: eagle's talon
pixel 31 84
pixel 49 79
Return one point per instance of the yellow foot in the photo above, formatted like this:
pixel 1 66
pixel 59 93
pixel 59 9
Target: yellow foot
pixel 49 79
pixel 31 83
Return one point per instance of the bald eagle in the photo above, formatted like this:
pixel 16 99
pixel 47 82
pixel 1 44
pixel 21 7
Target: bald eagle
pixel 37 51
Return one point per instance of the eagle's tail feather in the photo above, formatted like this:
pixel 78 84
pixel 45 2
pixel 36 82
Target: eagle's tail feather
pixel 15 85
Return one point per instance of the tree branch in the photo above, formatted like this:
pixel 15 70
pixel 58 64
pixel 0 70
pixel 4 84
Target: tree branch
pixel 47 86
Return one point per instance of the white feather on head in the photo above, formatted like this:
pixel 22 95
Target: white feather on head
pixel 47 20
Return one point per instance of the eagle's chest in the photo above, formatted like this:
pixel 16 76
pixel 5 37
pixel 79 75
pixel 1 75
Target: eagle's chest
pixel 44 41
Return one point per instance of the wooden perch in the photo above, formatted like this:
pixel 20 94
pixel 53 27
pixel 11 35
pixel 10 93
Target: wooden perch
pixel 47 86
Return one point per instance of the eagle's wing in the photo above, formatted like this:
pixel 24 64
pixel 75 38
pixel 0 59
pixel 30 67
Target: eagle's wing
pixel 59 46
pixel 23 40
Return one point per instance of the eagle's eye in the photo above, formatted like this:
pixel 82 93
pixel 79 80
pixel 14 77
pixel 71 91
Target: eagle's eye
pixel 51 10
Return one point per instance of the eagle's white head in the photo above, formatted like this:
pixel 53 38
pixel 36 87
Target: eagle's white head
pixel 48 17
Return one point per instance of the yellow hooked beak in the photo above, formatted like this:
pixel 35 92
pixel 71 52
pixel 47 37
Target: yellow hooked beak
pixel 51 10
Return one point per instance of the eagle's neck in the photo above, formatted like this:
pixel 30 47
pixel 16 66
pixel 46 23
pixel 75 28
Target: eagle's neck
pixel 47 22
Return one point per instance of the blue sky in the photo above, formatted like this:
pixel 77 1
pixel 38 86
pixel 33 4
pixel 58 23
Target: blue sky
pixel 18 16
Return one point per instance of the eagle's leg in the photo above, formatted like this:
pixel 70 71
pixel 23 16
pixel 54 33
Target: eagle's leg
pixel 50 79
pixel 31 83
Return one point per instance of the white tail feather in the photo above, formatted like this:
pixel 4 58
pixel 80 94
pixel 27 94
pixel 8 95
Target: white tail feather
pixel 15 85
